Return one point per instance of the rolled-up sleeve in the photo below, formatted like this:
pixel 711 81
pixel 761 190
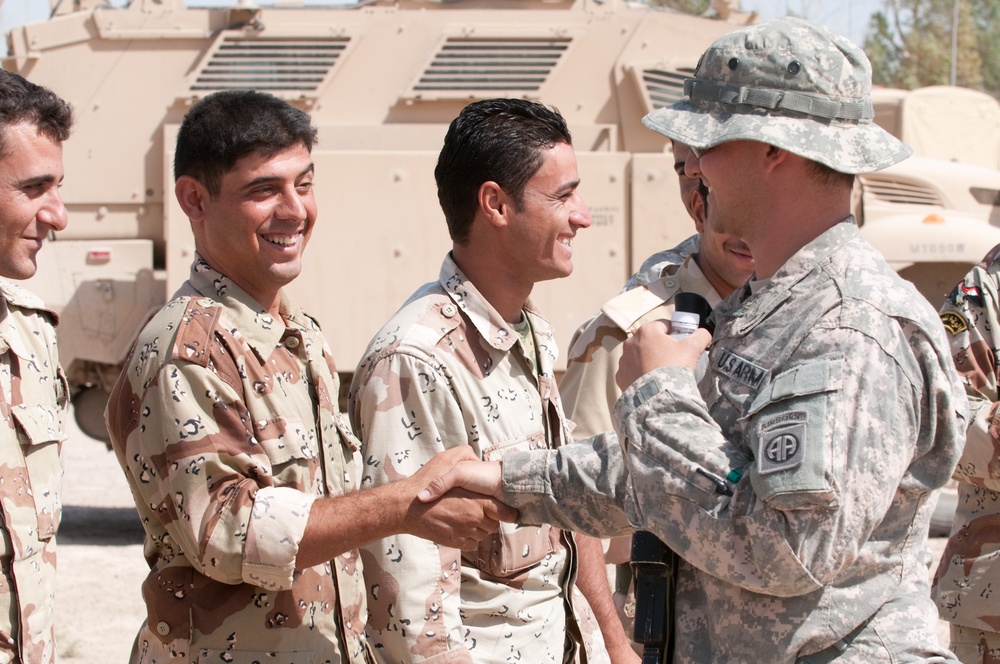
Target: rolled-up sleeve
pixel 277 523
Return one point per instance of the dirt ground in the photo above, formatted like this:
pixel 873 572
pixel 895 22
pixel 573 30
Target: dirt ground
pixel 99 608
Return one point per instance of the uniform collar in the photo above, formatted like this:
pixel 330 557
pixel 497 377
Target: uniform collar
pixel 255 324
pixel 753 306
pixel 487 320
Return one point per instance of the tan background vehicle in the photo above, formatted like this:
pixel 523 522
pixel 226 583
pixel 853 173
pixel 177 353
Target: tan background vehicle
pixel 382 81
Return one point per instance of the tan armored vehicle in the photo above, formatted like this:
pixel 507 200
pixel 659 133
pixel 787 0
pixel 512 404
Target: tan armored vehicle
pixel 382 81
pixel 935 214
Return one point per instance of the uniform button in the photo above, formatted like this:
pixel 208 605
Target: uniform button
pixel 162 628
pixel 292 342
pixel 448 310
pixel 669 283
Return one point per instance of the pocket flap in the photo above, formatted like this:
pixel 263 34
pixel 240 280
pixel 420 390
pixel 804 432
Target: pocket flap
pixel 41 423
pixel 822 375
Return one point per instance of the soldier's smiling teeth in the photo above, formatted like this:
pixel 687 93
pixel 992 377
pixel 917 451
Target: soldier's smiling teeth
pixel 282 240
pixel 568 241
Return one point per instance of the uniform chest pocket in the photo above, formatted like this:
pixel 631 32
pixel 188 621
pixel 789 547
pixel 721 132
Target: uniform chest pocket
pixel 40 430
pixel 292 452
pixel 513 549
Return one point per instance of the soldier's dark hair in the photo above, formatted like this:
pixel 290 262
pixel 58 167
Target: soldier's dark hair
pixel 498 140
pixel 225 126
pixel 823 174
pixel 23 101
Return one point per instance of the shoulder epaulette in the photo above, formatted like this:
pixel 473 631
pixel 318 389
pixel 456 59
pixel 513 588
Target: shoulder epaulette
pixel 195 328
pixel 626 309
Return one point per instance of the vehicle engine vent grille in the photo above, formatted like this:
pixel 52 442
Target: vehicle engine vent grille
pixel 891 190
pixel 484 67
pixel 284 67
pixel 664 87
pixel 985 196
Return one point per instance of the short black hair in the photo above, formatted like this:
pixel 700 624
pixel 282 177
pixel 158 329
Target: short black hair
pixel 24 101
pixel 498 140
pixel 825 175
pixel 226 126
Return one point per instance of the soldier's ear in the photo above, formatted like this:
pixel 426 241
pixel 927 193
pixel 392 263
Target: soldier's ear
pixel 192 197
pixel 494 203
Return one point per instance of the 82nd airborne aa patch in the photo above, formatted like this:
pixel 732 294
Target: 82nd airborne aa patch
pixel 782 440
pixel 954 323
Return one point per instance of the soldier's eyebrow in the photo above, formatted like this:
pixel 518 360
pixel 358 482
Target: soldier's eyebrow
pixel 567 188
pixel 268 179
pixel 35 181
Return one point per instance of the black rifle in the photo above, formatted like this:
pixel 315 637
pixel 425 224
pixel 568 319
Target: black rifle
pixel 654 565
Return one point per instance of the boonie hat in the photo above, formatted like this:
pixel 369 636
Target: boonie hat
pixel 789 83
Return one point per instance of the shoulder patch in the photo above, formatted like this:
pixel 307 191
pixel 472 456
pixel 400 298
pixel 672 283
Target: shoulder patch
pixel 954 322
pixel 965 293
pixel 782 442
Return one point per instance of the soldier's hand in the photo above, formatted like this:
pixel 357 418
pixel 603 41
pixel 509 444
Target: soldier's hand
pixel 459 519
pixel 483 477
pixel 450 512
pixel 652 347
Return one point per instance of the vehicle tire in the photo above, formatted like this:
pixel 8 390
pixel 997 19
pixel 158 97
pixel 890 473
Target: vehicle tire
pixel 88 411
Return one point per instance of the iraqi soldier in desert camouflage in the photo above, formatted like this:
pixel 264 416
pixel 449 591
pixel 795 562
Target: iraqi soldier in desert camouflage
pixel 226 423
pixel 468 361
pixel 34 395
pixel 967 583
pixel 796 482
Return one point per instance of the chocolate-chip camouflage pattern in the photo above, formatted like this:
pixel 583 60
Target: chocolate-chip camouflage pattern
pixel 446 370
pixel 226 423
pixel 967 583
pixel 835 411
pixel 33 404
pixel 588 387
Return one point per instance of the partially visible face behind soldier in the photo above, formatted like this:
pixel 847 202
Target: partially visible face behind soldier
pixel 725 259
pixel 30 205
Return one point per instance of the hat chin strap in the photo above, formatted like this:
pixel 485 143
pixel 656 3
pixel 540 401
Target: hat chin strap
pixel 700 90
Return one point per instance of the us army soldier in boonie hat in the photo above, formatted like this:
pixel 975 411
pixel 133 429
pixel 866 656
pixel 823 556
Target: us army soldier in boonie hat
pixel 795 481
pixel 791 84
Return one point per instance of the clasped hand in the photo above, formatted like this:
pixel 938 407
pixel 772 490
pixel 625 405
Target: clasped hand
pixel 457 499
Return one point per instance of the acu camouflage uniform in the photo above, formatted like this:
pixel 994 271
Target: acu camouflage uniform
pixel 447 370
pixel 33 404
pixel 833 412
pixel 226 423
pixel 967 584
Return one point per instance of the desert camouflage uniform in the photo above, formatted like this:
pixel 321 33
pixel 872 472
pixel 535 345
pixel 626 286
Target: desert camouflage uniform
pixel 226 423
pixel 835 411
pixel 652 268
pixel 967 584
pixel 588 387
pixel 33 403
pixel 446 370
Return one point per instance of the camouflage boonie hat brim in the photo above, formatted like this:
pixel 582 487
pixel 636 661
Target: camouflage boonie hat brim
pixel 791 84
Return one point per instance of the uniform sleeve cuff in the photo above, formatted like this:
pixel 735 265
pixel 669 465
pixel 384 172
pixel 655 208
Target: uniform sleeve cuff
pixel 277 524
